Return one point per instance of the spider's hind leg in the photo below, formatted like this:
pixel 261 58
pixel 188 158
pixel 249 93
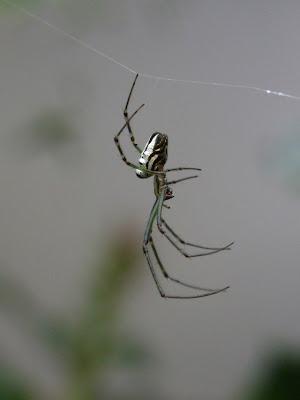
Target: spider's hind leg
pixel 156 210
pixel 212 250
pixel 167 276
pixel 161 290
pixel 161 223
pixel 185 243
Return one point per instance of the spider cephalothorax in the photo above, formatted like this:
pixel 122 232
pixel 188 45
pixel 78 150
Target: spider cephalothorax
pixel 152 160
pixel 155 154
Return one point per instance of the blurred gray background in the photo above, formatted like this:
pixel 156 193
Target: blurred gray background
pixel 64 188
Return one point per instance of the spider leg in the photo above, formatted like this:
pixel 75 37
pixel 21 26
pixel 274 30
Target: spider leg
pixel 117 143
pixel 176 181
pixel 182 251
pixel 167 276
pixel 184 242
pixel 182 179
pixel 161 290
pixel 182 169
pixel 156 209
pixel 125 113
pixel 188 255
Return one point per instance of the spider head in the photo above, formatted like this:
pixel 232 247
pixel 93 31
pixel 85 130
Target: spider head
pixel 169 193
pixel 155 154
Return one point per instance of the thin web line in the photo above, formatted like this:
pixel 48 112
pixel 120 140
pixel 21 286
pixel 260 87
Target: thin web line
pixel 66 34
pixel 145 75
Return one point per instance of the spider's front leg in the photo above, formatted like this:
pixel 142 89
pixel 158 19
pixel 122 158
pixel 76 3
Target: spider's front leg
pixel 129 163
pixel 117 143
pixel 125 113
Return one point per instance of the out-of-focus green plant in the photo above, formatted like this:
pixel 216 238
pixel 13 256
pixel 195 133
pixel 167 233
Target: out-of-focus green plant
pixel 94 342
pixel 278 379
pixel 12 387
pixel 51 131
pixel 20 3
pixel 97 342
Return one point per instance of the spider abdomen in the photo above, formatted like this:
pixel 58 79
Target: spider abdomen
pixel 154 156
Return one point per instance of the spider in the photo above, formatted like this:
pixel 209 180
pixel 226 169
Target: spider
pixel 151 163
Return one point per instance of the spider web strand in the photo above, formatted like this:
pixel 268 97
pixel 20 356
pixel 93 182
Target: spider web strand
pixel 145 75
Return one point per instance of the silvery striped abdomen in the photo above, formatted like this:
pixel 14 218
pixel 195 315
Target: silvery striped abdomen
pixel 154 155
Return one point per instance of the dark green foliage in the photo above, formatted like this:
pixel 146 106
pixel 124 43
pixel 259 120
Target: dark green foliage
pixel 11 387
pixel 50 131
pixel 279 379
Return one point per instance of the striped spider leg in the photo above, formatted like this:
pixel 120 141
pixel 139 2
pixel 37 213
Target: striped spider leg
pixel 141 170
pixel 125 113
pixel 162 222
pixel 151 164
pixel 155 215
